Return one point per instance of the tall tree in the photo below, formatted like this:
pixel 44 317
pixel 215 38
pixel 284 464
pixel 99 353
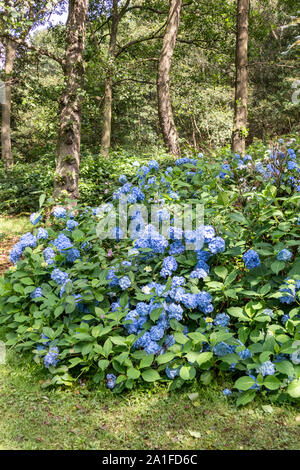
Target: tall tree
pixel 116 17
pixel 241 79
pixel 18 18
pixel 165 112
pixel 67 167
pixel 10 54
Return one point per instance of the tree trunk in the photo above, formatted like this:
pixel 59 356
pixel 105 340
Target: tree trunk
pixel 10 54
pixel 163 80
pixel 107 112
pixel 67 168
pixel 241 81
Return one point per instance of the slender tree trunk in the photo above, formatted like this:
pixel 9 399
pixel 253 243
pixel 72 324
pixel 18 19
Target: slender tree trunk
pixel 241 81
pixel 107 112
pixel 163 80
pixel 67 168
pixel 10 54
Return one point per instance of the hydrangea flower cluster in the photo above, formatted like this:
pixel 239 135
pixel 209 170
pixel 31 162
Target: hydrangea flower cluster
pixel 26 240
pixel 35 218
pixel 51 358
pixel 291 288
pixel 251 259
pixel 284 255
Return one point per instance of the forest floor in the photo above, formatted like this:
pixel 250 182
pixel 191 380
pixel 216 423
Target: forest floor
pixel 34 417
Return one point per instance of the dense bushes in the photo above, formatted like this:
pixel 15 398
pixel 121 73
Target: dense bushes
pixel 160 306
pixel 20 188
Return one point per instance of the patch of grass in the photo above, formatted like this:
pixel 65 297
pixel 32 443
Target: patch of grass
pixel 12 226
pixel 37 418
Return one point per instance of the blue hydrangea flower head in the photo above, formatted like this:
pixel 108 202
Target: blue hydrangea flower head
pixel 284 255
pixel 72 255
pixel 245 354
pixel 251 259
pixel 111 381
pixel 36 293
pixel 62 242
pixel 59 212
pixel 51 358
pixel 222 319
pixel 59 276
pixel 42 234
pixel 156 333
pixel 123 179
pixel 35 218
pixel 198 273
pixel 124 282
pixel 28 240
pixel 221 349
pixel 266 368
pixel 153 165
pixel 152 347
pixel 16 253
pixel 216 245
pixel 49 254
pixel 71 224
pixel 175 311
pixel 171 373
pixel 176 248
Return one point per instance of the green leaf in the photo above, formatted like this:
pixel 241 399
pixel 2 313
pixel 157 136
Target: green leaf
pixel 204 357
pixel 277 266
pixel 133 373
pixel 164 358
pixel 206 377
pixel 285 367
pixel 294 388
pixel 150 375
pixel 118 340
pixel 147 361
pixel 197 337
pixel 223 198
pixel 27 281
pixel 180 338
pixel 271 382
pixel 107 347
pixel 237 312
pixel 245 397
pixel 42 200
pixel 155 314
pixel 221 271
pixel 187 372
pixel 123 300
pixel 244 383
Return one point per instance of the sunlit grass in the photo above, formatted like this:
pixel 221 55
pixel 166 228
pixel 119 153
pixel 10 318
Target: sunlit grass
pixel 11 226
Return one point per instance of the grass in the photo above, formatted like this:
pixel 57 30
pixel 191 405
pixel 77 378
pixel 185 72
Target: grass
pixel 13 226
pixel 35 418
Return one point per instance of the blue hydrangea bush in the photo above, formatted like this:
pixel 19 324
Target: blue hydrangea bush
pixel 146 307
